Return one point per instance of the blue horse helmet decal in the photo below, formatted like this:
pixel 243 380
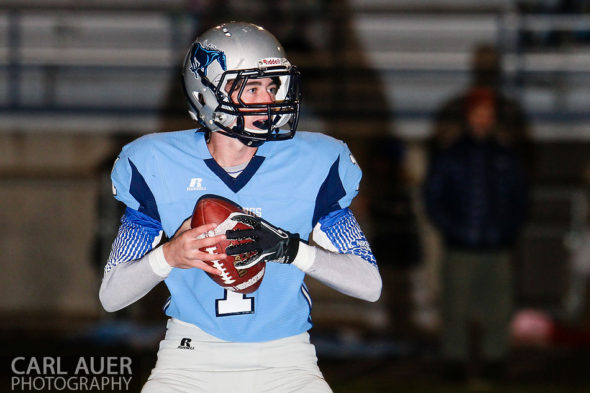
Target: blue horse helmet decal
pixel 202 57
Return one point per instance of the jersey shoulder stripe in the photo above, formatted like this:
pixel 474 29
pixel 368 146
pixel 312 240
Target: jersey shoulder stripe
pixel 331 191
pixel 140 190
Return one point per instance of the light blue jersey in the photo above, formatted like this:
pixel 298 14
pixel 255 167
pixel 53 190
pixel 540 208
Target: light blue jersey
pixel 292 184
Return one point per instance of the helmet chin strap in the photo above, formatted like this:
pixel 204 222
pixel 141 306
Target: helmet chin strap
pixel 246 141
pixel 249 142
pixel 260 125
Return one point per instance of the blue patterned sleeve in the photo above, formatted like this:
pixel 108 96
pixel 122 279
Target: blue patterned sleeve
pixel 342 230
pixel 137 235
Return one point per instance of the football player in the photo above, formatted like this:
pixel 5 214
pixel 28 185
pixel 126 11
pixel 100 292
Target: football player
pixel 245 94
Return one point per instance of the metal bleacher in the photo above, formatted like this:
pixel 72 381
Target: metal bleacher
pixel 98 69
pixel 110 61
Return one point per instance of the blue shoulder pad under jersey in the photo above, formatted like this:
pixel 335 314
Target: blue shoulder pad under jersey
pixel 340 186
pixel 137 235
pixel 342 229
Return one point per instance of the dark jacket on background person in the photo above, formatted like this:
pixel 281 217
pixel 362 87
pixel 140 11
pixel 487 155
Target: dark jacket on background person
pixel 475 194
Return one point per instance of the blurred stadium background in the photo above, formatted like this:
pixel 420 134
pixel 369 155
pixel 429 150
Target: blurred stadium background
pixel 80 79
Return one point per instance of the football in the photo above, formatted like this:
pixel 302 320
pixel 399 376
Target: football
pixel 215 209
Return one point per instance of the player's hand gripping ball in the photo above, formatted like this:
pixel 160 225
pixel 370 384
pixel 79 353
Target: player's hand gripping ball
pixel 215 209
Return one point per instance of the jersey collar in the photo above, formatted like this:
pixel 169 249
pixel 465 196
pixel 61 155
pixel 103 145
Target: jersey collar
pixel 234 184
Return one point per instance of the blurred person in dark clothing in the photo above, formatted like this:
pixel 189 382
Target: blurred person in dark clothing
pixel 475 194
pixel 486 73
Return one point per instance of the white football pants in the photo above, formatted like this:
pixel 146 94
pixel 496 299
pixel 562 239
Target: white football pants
pixel 190 360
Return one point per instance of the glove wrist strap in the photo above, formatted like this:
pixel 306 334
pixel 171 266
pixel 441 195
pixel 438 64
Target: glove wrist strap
pixel 292 248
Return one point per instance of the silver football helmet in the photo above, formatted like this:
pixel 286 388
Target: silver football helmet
pixel 238 51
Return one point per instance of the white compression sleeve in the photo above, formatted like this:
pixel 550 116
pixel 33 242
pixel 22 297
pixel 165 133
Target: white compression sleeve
pixel 135 264
pixel 128 282
pixel 343 260
pixel 347 273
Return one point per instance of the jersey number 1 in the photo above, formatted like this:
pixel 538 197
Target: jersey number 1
pixel 234 303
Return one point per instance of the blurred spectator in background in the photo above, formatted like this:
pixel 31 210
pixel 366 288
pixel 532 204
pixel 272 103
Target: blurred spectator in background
pixel 576 297
pixel 511 123
pixel 394 237
pixel 395 233
pixel 475 194
pixel 576 300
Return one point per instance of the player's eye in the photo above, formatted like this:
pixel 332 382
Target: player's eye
pixel 273 90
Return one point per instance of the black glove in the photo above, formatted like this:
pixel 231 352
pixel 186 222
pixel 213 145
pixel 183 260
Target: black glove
pixel 268 243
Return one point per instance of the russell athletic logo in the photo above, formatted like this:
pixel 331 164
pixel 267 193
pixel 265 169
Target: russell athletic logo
pixel 185 343
pixel 196 184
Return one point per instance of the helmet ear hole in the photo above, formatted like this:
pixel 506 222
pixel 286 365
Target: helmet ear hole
pixel 199 99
